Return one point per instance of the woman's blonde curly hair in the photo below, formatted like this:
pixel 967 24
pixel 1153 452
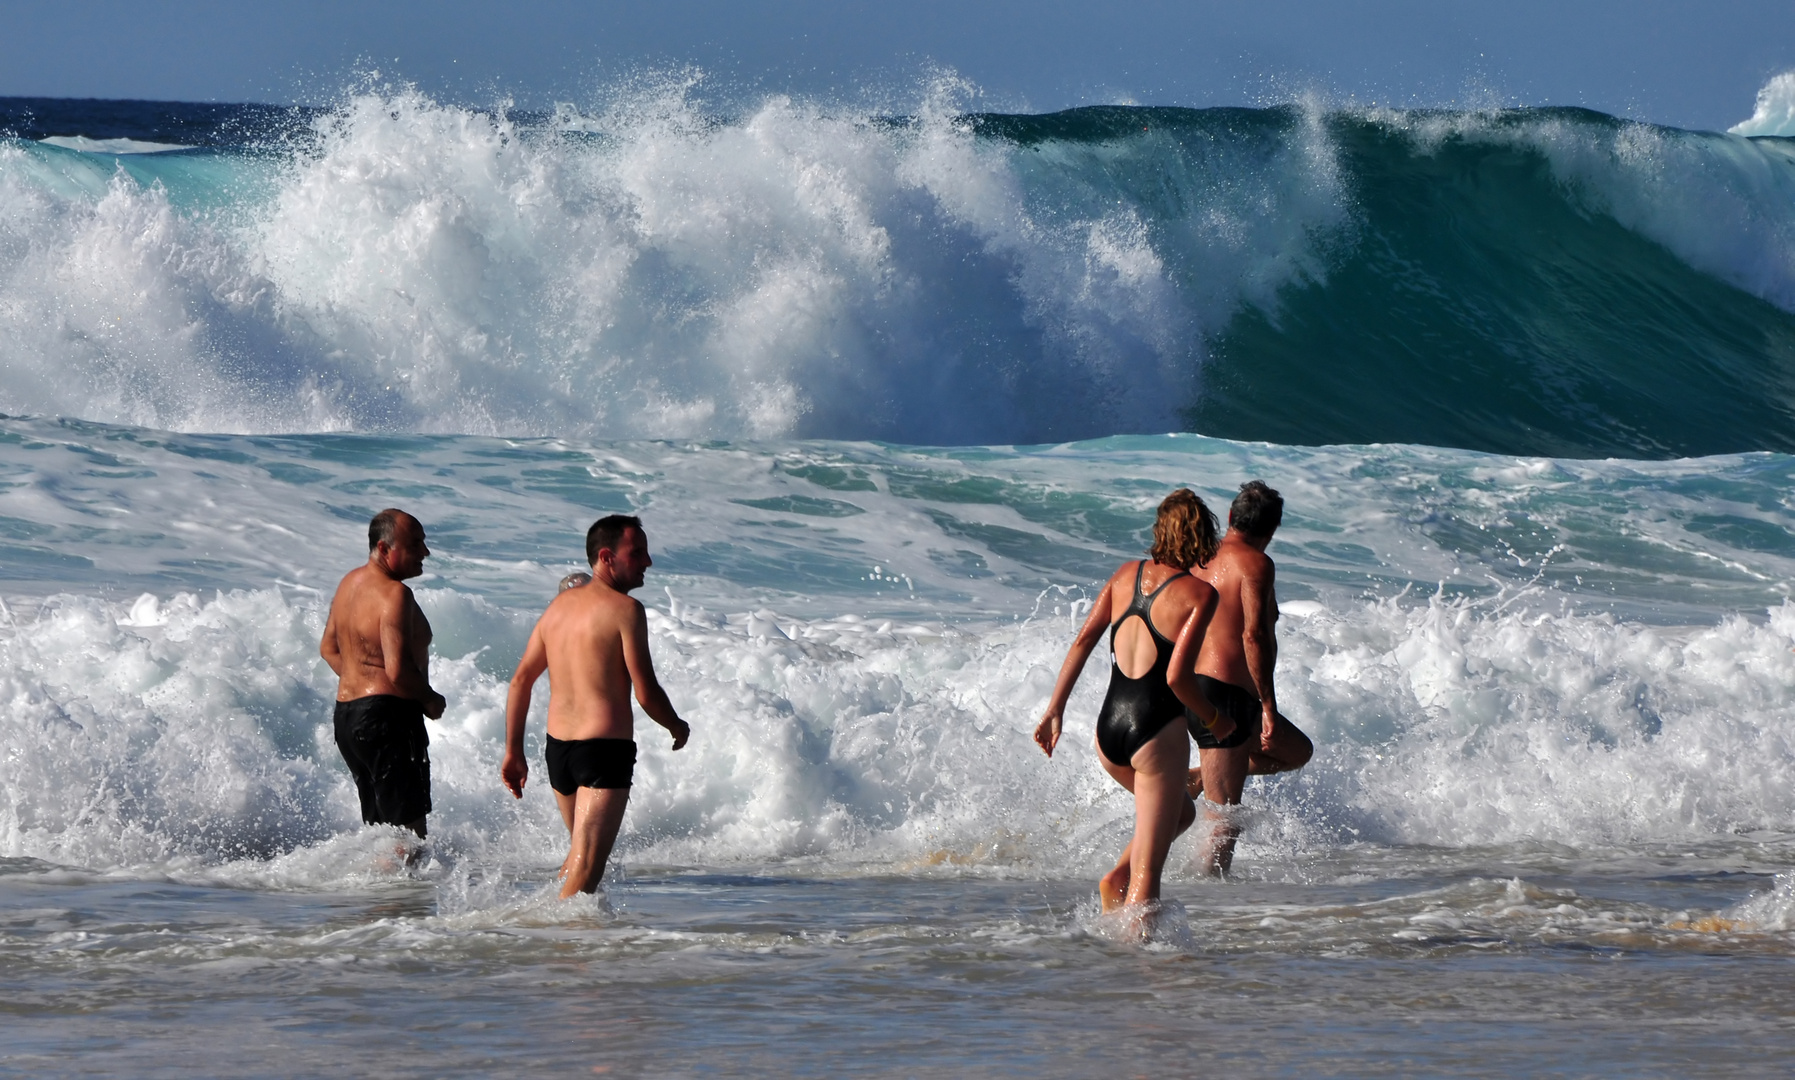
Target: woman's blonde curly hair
pixel 1185 533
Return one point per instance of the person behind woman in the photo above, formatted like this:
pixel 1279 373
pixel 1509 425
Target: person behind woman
pixel 1155 612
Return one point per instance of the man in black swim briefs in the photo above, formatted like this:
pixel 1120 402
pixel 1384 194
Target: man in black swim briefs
pixel 378 643
pixel 1234 669
pixel 593 642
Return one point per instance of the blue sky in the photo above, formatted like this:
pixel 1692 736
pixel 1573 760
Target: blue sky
pixel 1685 63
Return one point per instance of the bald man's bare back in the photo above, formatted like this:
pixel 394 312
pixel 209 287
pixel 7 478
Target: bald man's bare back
pixel 378 643
pixel 376 639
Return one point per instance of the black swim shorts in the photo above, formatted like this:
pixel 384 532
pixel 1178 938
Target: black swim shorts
pixel 1230 701
pixel 593 763
pixel 383 742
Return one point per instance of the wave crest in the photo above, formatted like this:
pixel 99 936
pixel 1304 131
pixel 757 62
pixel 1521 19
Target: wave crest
pixel 1531 281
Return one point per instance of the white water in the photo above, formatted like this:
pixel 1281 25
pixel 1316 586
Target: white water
pixel 1775 111
pixel 862 639
pixel 797 271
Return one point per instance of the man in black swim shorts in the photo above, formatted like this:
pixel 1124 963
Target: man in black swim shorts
pixel 1234 669
pixel 378 643
pixel 593 642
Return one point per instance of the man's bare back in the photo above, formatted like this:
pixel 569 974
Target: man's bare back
pixel 1242 577
pixel 593 643
pixel 590 636
pixel 1234 667
pixel 377 640
pixel 378 643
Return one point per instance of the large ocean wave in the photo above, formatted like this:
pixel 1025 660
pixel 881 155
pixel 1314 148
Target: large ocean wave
pixel 1541 281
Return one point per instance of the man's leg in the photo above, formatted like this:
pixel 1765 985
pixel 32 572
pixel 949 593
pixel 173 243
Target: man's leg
pixel 1224 775
pixel 1290 750
pixel 565 803
pixel 597 815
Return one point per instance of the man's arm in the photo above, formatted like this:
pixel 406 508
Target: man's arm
pixel 396 640
pixel 648 688
pixel 1047 732
pixel 1259 642
pixel 327 648
pixel 515 769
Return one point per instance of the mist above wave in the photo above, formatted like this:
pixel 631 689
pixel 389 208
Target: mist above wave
pixel 1775 111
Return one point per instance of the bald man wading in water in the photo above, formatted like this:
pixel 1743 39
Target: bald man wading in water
pixel 378 643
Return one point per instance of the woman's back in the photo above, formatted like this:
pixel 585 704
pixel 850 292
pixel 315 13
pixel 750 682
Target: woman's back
pixel 1150 604
pixel 1168 593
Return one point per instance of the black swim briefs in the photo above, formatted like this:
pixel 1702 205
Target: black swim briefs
pixel 384 743
pixel 593 763
pixel 1230 701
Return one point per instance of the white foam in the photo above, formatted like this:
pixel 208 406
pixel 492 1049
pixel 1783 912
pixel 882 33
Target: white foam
pixel 204 738
pixel 863 685
pixel 801 270
pixel 111 146
pixel 1775 111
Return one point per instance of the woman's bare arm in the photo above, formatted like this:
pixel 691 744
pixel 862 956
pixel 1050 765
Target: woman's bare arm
pixel 1181 673
pixel 1047 732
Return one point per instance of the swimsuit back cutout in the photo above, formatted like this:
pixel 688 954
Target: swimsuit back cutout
pixel 1137 708
pixel 1143 606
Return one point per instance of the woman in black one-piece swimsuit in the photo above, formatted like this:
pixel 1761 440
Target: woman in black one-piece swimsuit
pixel 1155 612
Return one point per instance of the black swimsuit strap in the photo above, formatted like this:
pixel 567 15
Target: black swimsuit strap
pixel 1162 585
pixel 1143 604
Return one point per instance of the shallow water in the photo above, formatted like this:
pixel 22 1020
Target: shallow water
pixel 1506 962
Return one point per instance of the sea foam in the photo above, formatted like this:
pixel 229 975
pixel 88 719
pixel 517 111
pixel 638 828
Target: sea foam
pixel 1775 112
pixel 1485 650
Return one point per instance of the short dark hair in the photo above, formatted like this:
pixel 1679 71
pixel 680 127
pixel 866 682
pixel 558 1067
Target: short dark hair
pixel 606 532
pixel 383 525
pixel 1257 510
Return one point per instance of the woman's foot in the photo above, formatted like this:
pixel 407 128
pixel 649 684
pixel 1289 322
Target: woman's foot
pixel 1112 888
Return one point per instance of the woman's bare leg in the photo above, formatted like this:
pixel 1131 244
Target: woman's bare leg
pixel 1112 888
pixel 1160 768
